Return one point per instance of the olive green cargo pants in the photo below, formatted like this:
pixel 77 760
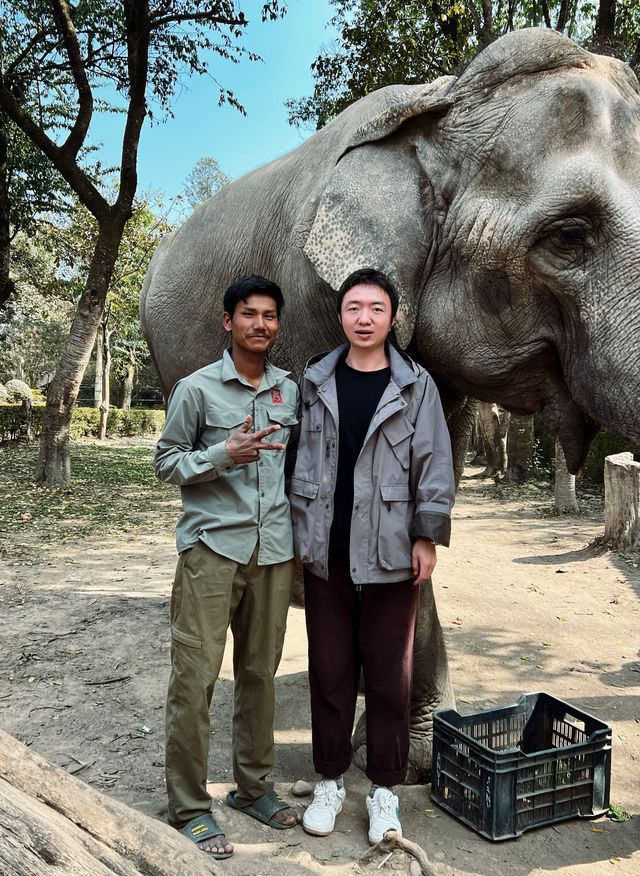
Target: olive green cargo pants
pixel 209 593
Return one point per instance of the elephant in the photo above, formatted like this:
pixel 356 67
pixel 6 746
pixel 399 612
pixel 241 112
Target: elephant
pixel 505 206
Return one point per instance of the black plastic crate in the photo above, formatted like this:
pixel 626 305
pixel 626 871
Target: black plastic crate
pixel 507 770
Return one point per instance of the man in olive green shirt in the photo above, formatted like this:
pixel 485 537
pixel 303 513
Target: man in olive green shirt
pixel 235 565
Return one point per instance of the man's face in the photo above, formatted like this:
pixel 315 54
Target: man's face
pixel 365 316
pixel 254 324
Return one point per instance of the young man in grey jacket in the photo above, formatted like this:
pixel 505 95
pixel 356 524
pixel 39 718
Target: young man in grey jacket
pixel 371 496
pixel 236 562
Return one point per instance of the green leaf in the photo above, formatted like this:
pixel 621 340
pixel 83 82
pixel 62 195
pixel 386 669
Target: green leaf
pixel 617 813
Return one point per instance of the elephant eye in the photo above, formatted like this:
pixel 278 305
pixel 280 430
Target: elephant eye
pixel 572 235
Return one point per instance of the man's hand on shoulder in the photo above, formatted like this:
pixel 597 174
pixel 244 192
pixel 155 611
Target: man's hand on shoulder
pixel 244 446
pixel 423 559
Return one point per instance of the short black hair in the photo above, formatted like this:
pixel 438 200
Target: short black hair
pixel 253 285
pixel 369 277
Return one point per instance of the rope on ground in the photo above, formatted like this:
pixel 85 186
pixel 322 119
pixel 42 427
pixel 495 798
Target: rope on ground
pixel 392 840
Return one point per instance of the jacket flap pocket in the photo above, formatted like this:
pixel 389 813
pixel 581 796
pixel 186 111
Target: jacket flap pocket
pixel 303 488
pixel 397 429
pixel 395 492
pixel 283 417
pixel 229 419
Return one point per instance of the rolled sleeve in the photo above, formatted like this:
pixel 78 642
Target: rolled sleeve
pixel 432 525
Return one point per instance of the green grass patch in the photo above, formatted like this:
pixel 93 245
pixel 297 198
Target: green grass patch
pixel 113 490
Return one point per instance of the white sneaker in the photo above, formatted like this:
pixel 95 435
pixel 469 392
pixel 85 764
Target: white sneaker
pixel 320 816
pixel 383 814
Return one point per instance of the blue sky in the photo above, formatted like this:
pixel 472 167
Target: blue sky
pixel 169 150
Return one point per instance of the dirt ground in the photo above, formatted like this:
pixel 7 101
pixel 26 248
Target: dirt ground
pixel 525 603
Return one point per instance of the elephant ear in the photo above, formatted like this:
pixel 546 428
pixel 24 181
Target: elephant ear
pixel 370 212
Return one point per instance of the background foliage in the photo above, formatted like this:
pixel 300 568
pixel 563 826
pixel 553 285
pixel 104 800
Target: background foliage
pixel 388 42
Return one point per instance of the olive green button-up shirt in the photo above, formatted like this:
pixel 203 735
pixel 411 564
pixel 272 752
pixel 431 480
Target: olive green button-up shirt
pixel 231 508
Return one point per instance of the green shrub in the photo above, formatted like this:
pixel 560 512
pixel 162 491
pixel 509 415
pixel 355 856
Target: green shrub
pixel 18 391
pixel 13 423
pixel 84 422
pixel 604 444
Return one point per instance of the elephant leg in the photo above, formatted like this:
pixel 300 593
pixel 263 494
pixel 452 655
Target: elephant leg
pixel 460 415
pixel 431 690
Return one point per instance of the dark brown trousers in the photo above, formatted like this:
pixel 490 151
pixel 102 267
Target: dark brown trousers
pixel 371 630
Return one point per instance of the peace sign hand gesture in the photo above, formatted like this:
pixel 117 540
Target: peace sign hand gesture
pixel 244 447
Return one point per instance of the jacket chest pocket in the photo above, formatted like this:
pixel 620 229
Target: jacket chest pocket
pixel 312 414
pixel 398 432
pixel 221 423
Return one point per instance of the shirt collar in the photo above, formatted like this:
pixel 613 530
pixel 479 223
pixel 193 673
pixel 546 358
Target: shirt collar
pixel 272 376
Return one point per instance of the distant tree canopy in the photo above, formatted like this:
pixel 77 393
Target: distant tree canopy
pixel 387 42
pixel 205 180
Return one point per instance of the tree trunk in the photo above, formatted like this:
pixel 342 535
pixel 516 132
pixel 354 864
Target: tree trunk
pixel 520 449
pixel 606 21
pixel 604 40
pixel 565 484
pixel 563 15
pixel 622 501
pixel 494 437
pixel 106 369
pixel 7 287
pixel 54 463
pixel 97 380
pixel 127 386
pixel 51 822
pixel 27 407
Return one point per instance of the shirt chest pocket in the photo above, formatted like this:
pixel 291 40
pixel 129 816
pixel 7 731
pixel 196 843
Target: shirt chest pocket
pixel 398 432
pixel 221 423
pixel 283 418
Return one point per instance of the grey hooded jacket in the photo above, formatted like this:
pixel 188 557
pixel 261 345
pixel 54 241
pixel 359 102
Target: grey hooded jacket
pixel 403 478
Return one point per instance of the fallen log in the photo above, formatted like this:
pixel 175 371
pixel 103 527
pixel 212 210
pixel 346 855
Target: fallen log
pixel 51 822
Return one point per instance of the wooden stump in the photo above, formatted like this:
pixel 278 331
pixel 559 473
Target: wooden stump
pixel 622 501
pixel 51 822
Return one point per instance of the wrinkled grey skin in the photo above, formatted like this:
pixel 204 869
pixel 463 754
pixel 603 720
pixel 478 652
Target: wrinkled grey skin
pixel 504 204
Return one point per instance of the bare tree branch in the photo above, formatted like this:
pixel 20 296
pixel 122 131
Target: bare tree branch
pixel 33 42
pixel 211 17
pixel 138 31
pixel 65 165
pixel 78 133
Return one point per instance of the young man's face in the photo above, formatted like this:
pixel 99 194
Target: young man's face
pixel 254 324
pixel 365 316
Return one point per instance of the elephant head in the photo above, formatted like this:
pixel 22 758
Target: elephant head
pixel 508 213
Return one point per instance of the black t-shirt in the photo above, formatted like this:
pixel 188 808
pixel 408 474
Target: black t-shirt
pixel 358 395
